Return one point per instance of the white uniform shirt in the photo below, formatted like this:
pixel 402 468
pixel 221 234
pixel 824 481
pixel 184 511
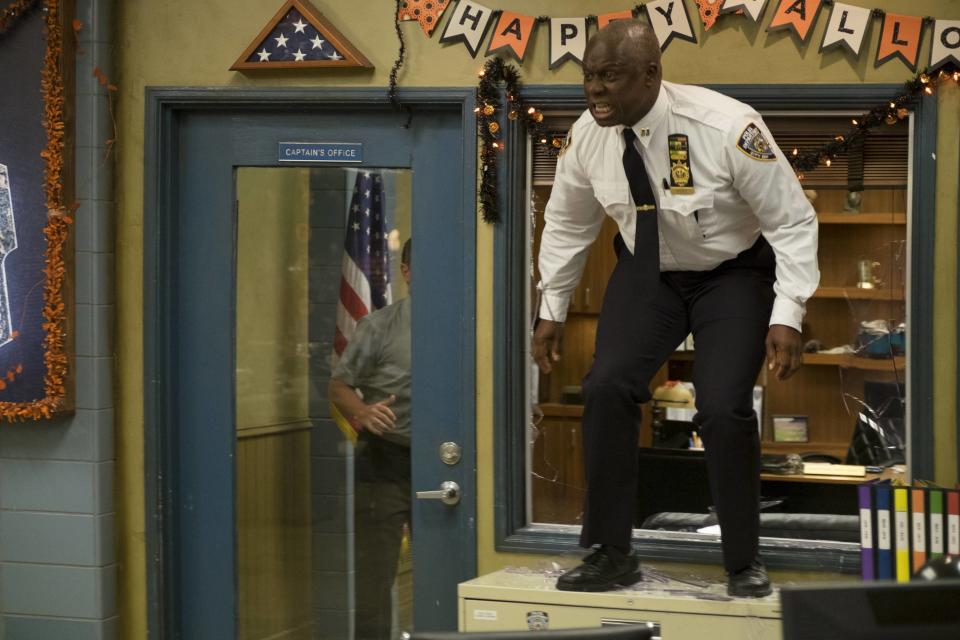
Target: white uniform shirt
pixel 737 195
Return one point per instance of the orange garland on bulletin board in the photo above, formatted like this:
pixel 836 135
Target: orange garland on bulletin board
pixel 58 222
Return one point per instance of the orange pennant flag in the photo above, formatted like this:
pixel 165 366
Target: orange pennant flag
pixel 512 33
pixel 607 18
pixel 426 12
pixel 900 37
pixel 798 15
pixel 709 12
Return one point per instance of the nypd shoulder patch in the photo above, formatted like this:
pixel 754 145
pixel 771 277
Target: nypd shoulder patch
pixel 753 143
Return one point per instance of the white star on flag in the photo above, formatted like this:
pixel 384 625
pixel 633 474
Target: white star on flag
pixel 300 26
pixel 299 55
pixel 318 42
pixel 264 54
pixel 281 40
pixel 335 56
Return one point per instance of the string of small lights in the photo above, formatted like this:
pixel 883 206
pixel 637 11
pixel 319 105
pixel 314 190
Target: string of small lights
pixel 496 71
pixel 490 130
pixel 889 112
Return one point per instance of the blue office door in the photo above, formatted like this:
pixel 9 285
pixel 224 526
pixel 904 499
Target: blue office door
pixel 202 264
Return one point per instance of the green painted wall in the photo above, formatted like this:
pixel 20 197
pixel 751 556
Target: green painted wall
pixel 189 43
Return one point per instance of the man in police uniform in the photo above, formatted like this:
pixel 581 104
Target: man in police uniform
pixel 716 238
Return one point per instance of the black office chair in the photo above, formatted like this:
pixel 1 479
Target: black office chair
pixel 619 632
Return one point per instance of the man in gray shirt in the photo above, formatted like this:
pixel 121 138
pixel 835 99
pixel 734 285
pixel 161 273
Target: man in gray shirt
pixel 376 363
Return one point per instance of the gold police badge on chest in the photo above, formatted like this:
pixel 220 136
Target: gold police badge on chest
pixel 681 178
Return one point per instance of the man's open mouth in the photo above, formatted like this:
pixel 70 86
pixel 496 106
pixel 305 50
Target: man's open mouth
pixel 602 108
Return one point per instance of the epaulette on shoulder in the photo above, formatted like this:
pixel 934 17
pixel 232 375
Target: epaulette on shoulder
pixel 704 114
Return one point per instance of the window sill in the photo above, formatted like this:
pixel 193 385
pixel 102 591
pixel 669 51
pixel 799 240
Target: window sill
pixel 698 548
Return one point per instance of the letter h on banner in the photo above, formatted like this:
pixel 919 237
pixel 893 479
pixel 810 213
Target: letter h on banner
pixel 468 24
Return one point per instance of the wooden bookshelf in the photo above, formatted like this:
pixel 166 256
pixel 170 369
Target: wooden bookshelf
pixel 862 218
pixel 853 293
pixel 851 361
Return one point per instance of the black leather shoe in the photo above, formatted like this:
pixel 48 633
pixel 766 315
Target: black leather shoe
pixel 750 582
pixel 603 570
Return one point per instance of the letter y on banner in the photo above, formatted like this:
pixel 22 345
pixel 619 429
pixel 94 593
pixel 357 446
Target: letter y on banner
pixel 847 26
pixel 568 39
pixel 468 24
pixel 669 19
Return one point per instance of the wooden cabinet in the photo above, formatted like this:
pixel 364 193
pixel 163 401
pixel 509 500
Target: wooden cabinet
pixel 673 607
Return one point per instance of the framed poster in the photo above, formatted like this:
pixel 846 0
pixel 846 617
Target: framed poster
pixel 34 220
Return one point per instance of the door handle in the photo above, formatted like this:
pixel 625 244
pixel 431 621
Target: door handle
pixel 449 493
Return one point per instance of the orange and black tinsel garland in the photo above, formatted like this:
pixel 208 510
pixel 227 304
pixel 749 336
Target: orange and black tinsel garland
pixel 491 129
pixel 58 220
pixel 11 13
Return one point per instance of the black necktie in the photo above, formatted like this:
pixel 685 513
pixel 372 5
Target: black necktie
pixel 646 244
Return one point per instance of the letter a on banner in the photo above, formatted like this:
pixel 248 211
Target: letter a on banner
pixel 513 32
pixel 847 26
pixel 568 39
pixel 900 37
pixel 468 24
pixel 796 15
pixel 669 19
pixel 946 43
pixel 752 8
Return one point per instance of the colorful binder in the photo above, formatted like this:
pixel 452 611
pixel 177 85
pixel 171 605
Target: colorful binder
pixel 883 497
pixel 867 569
pixel 918 526
pixel 953 521
pixel 936 522
pixel 901 533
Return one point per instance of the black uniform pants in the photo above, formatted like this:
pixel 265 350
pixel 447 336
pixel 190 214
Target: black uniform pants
pixel 728 310
pixel 381 508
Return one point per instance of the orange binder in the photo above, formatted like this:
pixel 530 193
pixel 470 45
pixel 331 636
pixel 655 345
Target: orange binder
pixel 918 525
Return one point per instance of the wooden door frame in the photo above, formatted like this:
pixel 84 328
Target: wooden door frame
pixel 165 109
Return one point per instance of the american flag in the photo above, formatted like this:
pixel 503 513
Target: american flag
pixel 365 272
pixel 294 39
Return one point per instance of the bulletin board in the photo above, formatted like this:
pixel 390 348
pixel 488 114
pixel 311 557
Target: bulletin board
pixel 34 219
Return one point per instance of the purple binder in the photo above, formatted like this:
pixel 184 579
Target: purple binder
pixel 867 568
